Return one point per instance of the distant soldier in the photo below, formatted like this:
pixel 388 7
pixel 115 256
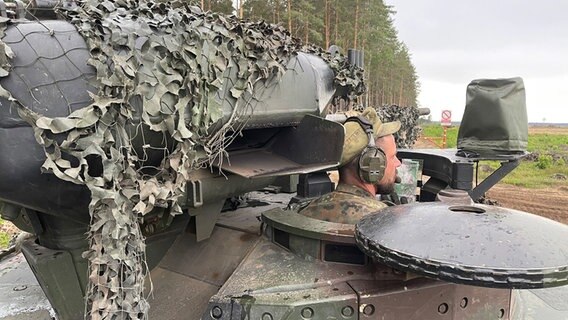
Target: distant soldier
pixel 367 168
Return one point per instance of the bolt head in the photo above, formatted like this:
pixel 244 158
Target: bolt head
pixel 307 313
pixel 216 312
pixel 369 309
pixel 443 308
pixel 347 311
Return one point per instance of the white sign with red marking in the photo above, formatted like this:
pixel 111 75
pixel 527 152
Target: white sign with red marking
pixel 446 118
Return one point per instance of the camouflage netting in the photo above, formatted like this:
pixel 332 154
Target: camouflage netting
pixel 408 117
pixel 161 63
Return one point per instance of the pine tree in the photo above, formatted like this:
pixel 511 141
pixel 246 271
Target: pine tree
pixel 363 24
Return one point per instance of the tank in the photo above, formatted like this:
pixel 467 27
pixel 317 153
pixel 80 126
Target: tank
pixel 240 253
pixel 52 75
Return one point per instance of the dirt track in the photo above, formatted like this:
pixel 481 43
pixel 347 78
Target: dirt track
pixel 550 202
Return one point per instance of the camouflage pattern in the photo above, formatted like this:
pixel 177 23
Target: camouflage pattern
pixel 347 204
pixel 408 117
pixel 159 68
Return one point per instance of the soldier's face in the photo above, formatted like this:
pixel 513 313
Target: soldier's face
pixel 386 184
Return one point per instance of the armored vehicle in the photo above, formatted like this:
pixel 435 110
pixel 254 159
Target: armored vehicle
pixel 237 247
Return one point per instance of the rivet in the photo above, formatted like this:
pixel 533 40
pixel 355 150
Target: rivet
pixel 369 309
pixel 307 313
pixel 443 308
pixel 347 311
pixel 216 312
pixel 463 303
pixel 266 316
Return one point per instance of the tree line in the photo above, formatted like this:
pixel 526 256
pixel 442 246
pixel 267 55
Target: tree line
pixel 360 24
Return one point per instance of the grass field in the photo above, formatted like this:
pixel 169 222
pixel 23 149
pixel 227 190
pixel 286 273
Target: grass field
pixel 4 236
pixel 546 167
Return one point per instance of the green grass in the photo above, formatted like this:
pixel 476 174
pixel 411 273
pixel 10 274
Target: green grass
pixel 438 131
pixel 4 237
pixel 528 174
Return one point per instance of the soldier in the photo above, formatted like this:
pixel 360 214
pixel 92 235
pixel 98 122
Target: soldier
pixel 367 168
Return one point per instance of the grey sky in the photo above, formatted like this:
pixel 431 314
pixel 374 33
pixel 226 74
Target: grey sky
pixel 454 42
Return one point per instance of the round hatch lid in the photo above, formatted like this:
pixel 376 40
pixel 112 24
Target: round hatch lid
pixel 476 245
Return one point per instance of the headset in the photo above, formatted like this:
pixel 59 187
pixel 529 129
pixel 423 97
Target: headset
pixel 372 160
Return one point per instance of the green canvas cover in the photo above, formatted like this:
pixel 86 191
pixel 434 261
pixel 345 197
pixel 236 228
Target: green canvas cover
pixel 495 117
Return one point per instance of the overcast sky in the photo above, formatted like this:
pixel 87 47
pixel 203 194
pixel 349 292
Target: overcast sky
pixel 454 42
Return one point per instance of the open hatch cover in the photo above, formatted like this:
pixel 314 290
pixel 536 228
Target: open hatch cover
pixel 314 145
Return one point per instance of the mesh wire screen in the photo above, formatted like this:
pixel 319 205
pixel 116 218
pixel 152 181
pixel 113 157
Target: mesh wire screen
pixel 151 70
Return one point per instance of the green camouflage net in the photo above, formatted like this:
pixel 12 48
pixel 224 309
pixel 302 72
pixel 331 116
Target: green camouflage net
pixel 158 65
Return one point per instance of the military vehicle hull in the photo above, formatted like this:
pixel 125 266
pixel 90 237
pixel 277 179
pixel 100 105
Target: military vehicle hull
pixel 50 74
pixel 188 288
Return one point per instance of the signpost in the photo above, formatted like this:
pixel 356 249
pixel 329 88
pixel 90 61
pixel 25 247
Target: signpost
pixel 446 122
pixel 446 118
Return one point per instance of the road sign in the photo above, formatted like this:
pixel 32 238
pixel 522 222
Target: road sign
pixel 446 118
